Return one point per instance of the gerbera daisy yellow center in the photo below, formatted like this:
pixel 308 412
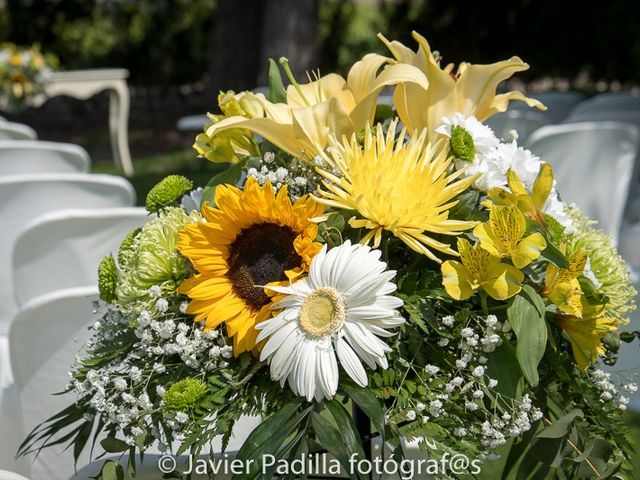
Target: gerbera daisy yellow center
pixel 260 254
pixel 322 312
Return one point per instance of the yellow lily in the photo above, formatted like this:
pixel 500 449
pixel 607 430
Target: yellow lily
pixel 562 287
pixel 530 203
pixel 586 333
pixel 502 236
pixel 328 106
pixel 479 270
pixel 471 90
pixel 230 145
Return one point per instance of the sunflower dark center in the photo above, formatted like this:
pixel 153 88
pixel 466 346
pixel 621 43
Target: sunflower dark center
pixel 260 254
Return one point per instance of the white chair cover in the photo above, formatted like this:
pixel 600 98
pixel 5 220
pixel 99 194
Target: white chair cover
pixel 6 475
pixel 63 249
pixel 525 122
pixel 192 123
pixel 25 197
pixel 16 131
pixel 610 101
pixel 559 104
pixel 31 156
pixel 593 164
pixel 44 339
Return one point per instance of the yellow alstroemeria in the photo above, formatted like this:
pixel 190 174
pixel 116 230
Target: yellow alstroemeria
pixel 561 285
pixel 586 333
pixel 230 145
pixel 479 270
pixel 329 106
pixel 471 90
pixel 530 203
pixel 502 236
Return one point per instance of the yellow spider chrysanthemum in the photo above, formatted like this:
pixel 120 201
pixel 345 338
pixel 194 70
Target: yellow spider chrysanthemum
pixel 404 187
pixel 253 238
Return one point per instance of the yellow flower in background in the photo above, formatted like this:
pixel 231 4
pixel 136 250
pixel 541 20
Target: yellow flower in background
pixel 471 90
pixel 230 145
pixel 561 285
pixel 252 239
pixel 479 270
pixel 530 203
pixel 404 187
pixel 502 236
pixel 586 333
pixel 319 109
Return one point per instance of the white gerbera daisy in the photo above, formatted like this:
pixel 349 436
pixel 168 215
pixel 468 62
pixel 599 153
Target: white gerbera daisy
pixel 339 310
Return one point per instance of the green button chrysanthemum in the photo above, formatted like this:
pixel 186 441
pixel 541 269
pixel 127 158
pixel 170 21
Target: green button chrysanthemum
pixel 168 192
pixel 183 396
pixel 126 247
pixel 108 278
pixel 462 145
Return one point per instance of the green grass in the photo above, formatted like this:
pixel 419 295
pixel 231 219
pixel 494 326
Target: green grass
pixel 150 170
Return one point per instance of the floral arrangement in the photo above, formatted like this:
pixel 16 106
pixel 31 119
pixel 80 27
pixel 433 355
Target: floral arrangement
pixel 400 263
pixel 22 73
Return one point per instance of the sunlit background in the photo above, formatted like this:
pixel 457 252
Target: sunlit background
pixel 181 53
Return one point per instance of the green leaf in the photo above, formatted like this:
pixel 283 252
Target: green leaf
pixel 277 93
pixel 81 440
pixel 111 470
pixel 560 427
pixel 502 364
pixel 330 438
pixel 113 445
pixel 230 175
pixel 526 315
pixel 555 256
pixel 348 429
pixel 269 437
pixel 368 403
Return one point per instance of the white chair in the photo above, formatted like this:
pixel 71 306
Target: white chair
pixel 525 122
pixel 25 197
pixel 43 340
pixel 63 249
pixel 6 475
pixel 610 101
pixel 16 131
pixel 559 104
pixel 192 123
pixel 32 156
pixel 593 165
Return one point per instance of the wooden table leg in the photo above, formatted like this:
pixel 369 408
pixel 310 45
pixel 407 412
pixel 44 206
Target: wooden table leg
pixel 119 126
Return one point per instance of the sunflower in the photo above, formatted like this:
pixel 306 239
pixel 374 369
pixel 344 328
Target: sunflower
pixel 252 239
pixel 406 188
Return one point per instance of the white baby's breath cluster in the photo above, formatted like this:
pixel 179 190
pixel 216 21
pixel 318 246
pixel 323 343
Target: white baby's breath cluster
pixel 299 176
pixel 458 391
pixel 617 395
pixel 127 391
pixel 494 158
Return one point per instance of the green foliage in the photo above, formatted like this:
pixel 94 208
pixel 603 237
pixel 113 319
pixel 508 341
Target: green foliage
pixel 126 247
pixel 526 315
pixel 161 42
